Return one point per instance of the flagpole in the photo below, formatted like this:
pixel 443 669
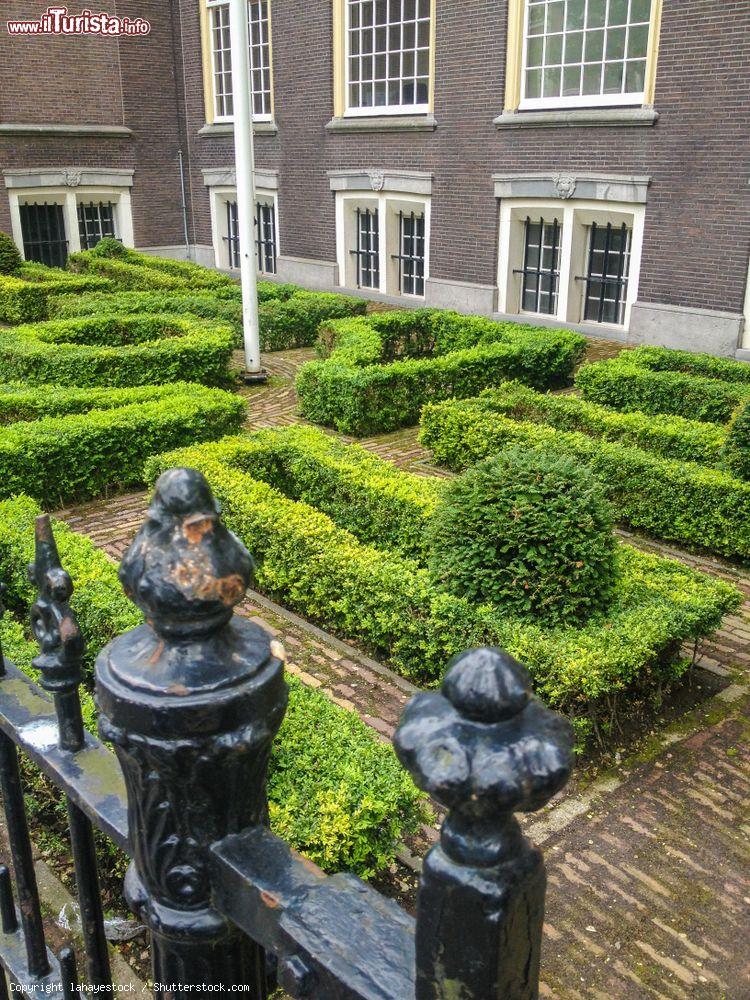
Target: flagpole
pixel 245 170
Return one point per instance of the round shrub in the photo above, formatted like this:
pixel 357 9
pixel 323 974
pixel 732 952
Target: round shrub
pixel 10 258
pixel 110 247
pixel 735 456
pixel 528 531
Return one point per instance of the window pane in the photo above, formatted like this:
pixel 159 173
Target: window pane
pixel 553 53
pixel 574 18
pixel 555 16
pixel 571 81
pixel 533 83
pixel 618 12
pixel 536 19
pixel 635 77
pixel 592 79
pixel 573 47
pixel 552 82
pixel 597 14
pixel 613 74
pixel 616 43
pixel 638 41
pixel 535 52
pixel 594 46
pixel 640 10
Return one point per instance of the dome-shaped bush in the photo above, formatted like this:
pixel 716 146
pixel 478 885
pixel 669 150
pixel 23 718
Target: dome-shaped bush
pixel 735 455
pixel 10 258
pixel 110 247
pixel 529 531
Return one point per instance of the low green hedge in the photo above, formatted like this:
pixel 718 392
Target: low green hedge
pixel 59 459
pixel 130 269
pixel 624 384
pixel 359 389
pixel 294 322
pixel 26 296
pixel 336 793
pixel 706 365
pixel 390 605
pixel 117 351
pixel 675 500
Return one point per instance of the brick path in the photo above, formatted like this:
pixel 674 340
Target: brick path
pixel 649 866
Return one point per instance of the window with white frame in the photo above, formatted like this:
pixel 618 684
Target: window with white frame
pixel 607 273
pixel 388 52
pixel 96 221
pixel 541 266
pixel 411 253
pixel 585 52
pixel 260 59
pixel 367 251
pixel 266 241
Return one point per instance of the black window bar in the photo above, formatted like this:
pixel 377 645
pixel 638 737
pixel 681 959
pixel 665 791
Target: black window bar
pixel 367 253
pixel 608 273
pixel 95 222
pixel 411 241
pixel 43 233
pixel 265 228
pixel 541 267
pixel 232 239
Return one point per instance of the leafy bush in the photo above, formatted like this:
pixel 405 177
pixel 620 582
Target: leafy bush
pixel 294 322
pixel 706 365
pixel 25 295
pixel 735 456
pixel 117 351
pixel 674 500
pixel 130 269
pixel 10 256
pixel 528 531
pixel 356 391
pixel 335 792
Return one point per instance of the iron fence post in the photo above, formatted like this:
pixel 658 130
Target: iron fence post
pixel 191 700
pixel 484 748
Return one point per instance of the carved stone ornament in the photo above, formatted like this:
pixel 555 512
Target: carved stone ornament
pixel 565 185
pixel 377 179
pixel 72 178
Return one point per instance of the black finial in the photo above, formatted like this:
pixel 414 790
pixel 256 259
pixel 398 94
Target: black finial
pixel 185 569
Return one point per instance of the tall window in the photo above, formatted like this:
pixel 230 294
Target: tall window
pixel 265 236
pixel 43 232
pixel 260 58
pixel 411 255
pixel 388 55
pixel 541 267
pixel 608 273
pixel 585 52
pixel 95 222
pixel 367 253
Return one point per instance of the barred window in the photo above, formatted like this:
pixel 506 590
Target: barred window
pixel 265 236
pixel 260 58
pixel 95 222
pixel 411 255
pixel 43 233
pixel 388 54
pixel 585 52
pixel 541 267
pixel 608 273
pixel 367 253
pixel 233 235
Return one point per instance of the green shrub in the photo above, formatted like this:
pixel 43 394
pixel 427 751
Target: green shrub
pixel 677 501
pixel 706 365
pixel 19 401
pixel 357 393
pixel 335 792
pixel 130 269
pixel 623 385
pixel 10 256
pixel 735 456
pixel 117 351
pixel 25 296
pixel 294 322
pixel 530 532
pixel 390 605
pixel 65 458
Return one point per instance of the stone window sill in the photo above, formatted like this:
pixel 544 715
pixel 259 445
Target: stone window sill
pixel 115 131
pixel 587 117
pixel 383 123
pixel 227 128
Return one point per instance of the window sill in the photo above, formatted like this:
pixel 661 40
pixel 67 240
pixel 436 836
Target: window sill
pixel 115 131
pixel 227 128
pixel 383 123
pixel 585 117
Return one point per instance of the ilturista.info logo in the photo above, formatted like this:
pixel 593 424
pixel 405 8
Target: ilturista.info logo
pixel 58 21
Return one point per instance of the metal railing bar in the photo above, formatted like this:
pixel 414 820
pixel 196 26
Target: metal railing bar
pixel 8 917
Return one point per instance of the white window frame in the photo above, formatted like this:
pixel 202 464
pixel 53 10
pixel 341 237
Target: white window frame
pixel 575 217
pixel 581 100
pixel 220 196
pixel 387 203
pixel 386 109
pixel 218 119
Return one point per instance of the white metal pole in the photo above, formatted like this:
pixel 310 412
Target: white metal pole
pixel 245 167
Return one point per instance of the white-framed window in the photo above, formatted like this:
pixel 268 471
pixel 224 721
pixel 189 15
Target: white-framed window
pixel 226 234
pixel 579 53
pixel 577 262
pixel 388 55
pixel 383 242
pixel 259 23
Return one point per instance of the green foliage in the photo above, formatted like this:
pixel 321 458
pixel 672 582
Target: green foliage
pixel 675 500
pixel 706 365
pixel 10 256
pixel 294 322
pixel 530 532
pixel 140 271
pixel 623 384
pixel 110 247
pixel 335 792
pixel 735 456
pixel 25 295
pixel 118 351
pixel 357 391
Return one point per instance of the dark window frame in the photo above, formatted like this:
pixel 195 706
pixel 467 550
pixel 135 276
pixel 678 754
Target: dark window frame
pixel 534 277
pixel 411 264
pixel 598 305
pixel 367 253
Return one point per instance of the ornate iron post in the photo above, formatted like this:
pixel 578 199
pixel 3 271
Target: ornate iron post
pixel 484 748
pixel 191 700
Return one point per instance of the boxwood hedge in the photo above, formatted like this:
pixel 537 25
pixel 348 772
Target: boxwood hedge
pixel 375 376
pixel 130 269
pixel 335 792
pixel 26 295
pixel 117 350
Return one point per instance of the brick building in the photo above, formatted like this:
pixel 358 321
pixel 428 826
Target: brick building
pixel 581 162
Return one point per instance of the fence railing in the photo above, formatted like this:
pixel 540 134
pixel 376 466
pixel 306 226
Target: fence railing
pixel 191 701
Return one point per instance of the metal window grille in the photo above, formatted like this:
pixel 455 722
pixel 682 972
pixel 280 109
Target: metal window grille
pixel 388 53
pixel 232 238
pixel 411 240
pixel 95 222
pixel 367 253
pixel 260 59
pixel 608 273
pixel 588 49
pixel 43 232
pixel 265 241
pixel 541 267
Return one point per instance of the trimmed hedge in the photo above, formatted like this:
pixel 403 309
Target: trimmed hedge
pixel 674 500
pixel 58 459
pixel 130 269
pixel 294 322
pixel 336 793
pixel 706 365
pixel 389 604
pixel 25 296
pixel 10 256
pixel 117 351
pixel 735 456
pixel 357 391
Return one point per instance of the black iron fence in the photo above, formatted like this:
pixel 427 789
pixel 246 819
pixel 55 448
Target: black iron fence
pixel 191 701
